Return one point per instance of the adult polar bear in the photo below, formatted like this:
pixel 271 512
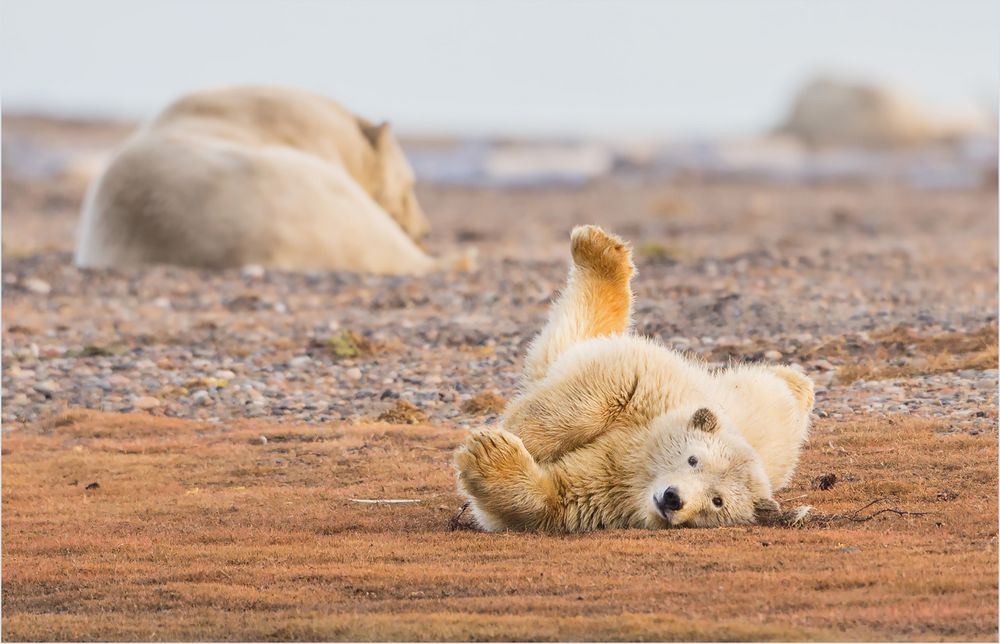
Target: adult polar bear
pixel 258 175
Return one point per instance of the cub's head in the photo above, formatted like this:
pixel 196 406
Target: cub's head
pixel 393 181
pixel 702 474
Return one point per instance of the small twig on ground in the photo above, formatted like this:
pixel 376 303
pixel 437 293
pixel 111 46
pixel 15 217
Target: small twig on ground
pixel 902 513
pixel 456 523
pixel 868 505
pixel 853 515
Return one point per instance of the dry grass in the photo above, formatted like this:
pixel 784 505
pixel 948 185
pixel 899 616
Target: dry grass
pixel 403 413
pixel 346 344
pixel 201 532
pixel 487 402
pixel 939 353
pixel 890 353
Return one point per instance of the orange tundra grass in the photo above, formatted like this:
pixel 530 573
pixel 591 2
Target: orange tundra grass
pixel 205 532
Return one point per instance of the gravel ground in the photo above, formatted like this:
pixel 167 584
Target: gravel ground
pixel 728 269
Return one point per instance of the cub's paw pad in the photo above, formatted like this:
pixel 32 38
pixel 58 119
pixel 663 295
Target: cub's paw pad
pixel 603 253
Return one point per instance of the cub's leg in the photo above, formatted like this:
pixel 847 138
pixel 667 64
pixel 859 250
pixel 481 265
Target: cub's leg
pixel 598 390
pixel 597 299
pixel 507 488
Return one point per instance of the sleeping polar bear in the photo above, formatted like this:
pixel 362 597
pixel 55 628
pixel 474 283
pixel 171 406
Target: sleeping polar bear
pixel 258 175
pixel 613 430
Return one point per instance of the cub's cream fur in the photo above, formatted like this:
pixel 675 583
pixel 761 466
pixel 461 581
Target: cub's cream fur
pixel 614 430
pixel 258 175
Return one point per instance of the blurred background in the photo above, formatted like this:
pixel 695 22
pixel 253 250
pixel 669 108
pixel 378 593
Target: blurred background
pixel 445 67
pixel 601 84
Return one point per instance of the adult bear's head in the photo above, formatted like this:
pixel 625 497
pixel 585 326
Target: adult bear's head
pixel 393 181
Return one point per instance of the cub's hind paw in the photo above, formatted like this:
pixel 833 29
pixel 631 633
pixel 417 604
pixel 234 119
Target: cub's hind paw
pixel 800 385
pixel 601 253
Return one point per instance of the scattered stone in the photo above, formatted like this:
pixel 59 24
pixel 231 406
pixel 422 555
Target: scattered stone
pixel 36 285
pixel 773 355
pixel 119 380
pixel 824 481
pixel 145 403
pixel 253 271
pixel 47 387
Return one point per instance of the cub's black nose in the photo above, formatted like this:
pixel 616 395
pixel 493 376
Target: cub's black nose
pixel 671 500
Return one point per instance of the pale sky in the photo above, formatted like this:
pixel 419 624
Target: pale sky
pixel 700 67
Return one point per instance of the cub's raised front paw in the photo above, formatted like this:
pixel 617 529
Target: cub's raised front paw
pixel 601 253
pixel 491 459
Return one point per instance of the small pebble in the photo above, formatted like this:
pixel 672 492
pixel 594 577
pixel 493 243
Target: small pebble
pixel 145 402
pixel 47 387
pixel 118 380
pixel 36 285
pixel 253 271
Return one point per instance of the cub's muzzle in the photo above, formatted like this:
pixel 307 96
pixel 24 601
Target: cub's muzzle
pixel 669 501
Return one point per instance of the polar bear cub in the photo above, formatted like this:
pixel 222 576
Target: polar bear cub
pixel 258 175
pixel 612 430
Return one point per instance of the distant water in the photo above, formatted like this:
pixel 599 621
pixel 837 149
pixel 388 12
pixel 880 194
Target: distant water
pixel 697 68
pixel 964 164
pixel 532 163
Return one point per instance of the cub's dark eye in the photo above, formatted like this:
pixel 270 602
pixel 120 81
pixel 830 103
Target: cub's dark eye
pixel 692 460
pixel 717 501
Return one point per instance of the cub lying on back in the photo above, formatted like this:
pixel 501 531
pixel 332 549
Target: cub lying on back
pixel 258 175
pixel 613 430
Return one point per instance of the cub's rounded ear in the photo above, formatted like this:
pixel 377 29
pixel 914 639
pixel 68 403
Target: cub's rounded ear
pixel 705 420
pixel 767 512
pixel 374 133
